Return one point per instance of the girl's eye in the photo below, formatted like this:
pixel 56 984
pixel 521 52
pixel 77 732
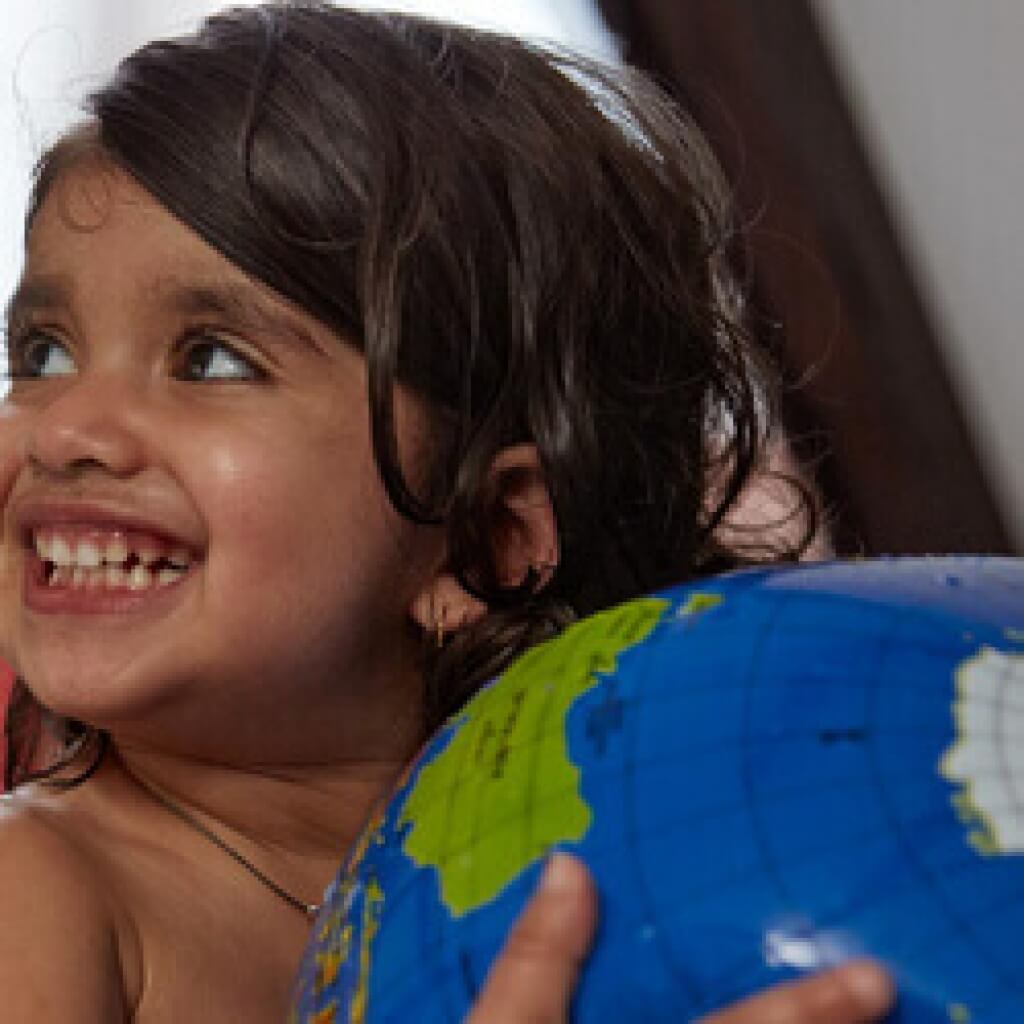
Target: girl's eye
pixel 37 354
pixel 205 358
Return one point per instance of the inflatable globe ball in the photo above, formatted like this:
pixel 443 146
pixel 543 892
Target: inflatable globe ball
pixel 767 773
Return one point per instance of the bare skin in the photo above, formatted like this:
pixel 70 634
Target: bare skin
pixel 168 931
pixel 271 689
pixel 119 914
pixel 534 978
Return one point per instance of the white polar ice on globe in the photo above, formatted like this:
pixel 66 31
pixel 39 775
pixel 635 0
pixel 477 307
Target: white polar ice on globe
pixel 986 757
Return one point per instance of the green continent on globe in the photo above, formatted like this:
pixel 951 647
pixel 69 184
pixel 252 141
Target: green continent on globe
pixel 503 790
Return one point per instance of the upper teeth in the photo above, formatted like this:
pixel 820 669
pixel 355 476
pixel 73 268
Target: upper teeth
pixel 93 552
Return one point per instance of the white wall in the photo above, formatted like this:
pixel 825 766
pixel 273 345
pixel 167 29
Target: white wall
pixel 52 51
pixel 939 88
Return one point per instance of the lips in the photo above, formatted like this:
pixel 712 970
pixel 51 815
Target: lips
pixel 77 563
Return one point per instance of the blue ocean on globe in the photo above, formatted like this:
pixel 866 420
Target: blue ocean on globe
pixel 766 772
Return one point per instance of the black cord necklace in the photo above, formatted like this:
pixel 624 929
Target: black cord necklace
pixel 308 910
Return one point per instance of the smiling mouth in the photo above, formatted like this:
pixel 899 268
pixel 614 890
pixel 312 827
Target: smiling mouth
pixel 98 560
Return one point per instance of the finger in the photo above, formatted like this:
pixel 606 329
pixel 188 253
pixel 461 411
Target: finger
pixel 855 993
pixel 533 979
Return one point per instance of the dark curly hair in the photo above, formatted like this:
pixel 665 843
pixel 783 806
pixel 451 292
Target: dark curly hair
pixel 536 244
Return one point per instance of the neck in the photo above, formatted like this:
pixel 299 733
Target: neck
pixel 299 783
pixel 296 822
pixel 289 828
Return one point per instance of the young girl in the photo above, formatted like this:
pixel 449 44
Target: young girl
pixel 352 355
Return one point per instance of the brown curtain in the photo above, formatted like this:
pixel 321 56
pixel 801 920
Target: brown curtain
pixel 870 395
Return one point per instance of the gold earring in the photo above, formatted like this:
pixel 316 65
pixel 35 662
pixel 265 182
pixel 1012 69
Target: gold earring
pixel 438 622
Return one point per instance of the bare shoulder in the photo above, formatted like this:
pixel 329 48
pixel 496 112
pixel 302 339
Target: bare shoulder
pixel 59 948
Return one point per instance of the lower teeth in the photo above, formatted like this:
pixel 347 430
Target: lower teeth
pixel 110 577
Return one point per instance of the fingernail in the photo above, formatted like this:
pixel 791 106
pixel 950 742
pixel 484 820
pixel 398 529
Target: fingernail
pixel 559 873
pixel 870 984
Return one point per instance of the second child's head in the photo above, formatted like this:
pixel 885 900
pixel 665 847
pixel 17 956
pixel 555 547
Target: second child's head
pixel 391 345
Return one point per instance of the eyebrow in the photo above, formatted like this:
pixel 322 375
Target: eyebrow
pixel 34 294
pixel 240 304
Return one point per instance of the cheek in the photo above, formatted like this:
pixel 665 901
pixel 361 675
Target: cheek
pixel 12 446
pixel 294 515
pixel 250 490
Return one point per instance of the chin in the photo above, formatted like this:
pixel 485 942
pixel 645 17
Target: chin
pixel 97 691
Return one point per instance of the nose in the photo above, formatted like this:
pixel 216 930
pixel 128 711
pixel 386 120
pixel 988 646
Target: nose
pixel 90 424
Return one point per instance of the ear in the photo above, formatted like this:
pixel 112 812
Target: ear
pixel 524 538
pixel 525 533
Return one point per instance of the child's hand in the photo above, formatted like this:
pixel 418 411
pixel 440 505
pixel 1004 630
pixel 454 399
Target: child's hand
pixel 852 994
pixel 533 979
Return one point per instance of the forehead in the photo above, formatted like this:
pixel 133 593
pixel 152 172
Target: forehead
pixel 93 206
pixel 99 233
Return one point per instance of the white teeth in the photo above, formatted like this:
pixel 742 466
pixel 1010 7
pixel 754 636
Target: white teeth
pixel 87 555
pixel 89 563
pixel 116 550
pixel 140 578
pixel 60 551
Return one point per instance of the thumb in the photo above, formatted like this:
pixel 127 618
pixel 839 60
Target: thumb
pixel 534 977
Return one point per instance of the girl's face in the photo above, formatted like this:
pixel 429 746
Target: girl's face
pixel 196 542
